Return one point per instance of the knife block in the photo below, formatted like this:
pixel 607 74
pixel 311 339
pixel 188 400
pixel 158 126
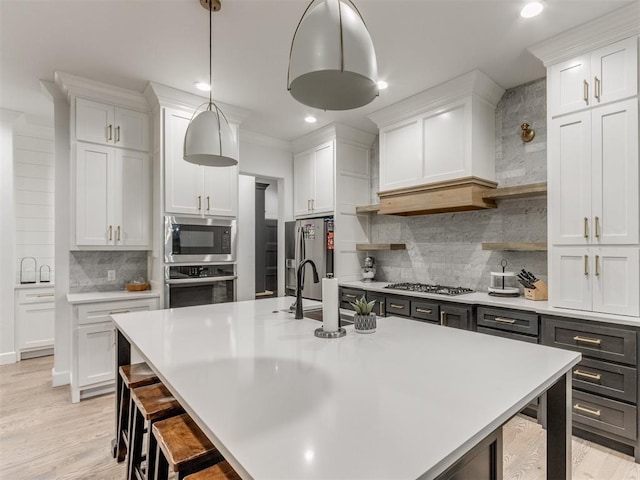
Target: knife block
pixel 541 292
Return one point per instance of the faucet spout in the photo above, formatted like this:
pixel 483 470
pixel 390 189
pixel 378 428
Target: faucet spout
pixel 316 279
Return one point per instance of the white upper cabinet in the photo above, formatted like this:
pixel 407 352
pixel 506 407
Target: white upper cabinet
pixel 593 176
pixel 193 189
pixel 442 134
pixel 314 182
pixel 106 124
pixel 112 201
pixel 605 75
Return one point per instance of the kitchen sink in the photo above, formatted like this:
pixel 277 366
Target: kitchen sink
pixel 316 314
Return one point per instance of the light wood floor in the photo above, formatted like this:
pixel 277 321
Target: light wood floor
pixel 44 436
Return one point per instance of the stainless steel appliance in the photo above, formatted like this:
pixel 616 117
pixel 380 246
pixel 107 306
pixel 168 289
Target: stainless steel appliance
pixel 425 288
pixel 309 239
pixel 190 285
pixel 191 240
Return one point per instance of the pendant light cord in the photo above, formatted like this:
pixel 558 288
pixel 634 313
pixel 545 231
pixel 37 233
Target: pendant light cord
pixel 210 50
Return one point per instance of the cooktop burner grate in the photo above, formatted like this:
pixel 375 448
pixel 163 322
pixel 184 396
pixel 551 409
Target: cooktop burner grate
pixel 425 288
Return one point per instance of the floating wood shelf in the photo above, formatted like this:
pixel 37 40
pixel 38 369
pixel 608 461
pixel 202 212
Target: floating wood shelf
pixel 380 246
pixel 368 208
pixel 520 191
pixel 516 246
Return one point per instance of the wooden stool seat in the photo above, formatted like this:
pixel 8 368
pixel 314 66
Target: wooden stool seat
pixel 132 376
pixel 150 403
pixel 182 447
pixel 220 471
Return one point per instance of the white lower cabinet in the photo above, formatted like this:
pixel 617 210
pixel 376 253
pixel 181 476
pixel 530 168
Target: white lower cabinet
pixel 598 279
pixel 35 320
pixel 93 346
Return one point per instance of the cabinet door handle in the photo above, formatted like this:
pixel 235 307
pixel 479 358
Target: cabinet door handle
pixel 308 205
pixel 596 222
pixel 110 232
pixel 593 341
pixel 119 311
pixel 596 88
pixel 586 227
pixel 395 305
pixel 510 321
pixel 443 317
pixel 208 203
pixel 597 267
pixel 117 133
pixel 585 93
pixel 199 202
pixel 45 295
pixel 118 235
pixel 586 264
pixel 110 134
pixel 580 408
pixel 423 310
pixel 313 204
pixel 589 375
pixel 383 312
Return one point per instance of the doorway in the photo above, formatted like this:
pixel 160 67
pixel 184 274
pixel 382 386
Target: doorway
pixel 266 236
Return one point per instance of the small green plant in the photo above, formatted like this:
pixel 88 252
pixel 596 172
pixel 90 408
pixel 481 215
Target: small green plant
pixel 362 307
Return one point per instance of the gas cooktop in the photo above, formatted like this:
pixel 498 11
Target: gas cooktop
pixel 424 288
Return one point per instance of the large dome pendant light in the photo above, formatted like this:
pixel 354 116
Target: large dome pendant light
pixel 332 62
pixel 209 140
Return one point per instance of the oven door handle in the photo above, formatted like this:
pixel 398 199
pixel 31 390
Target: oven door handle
pixel 199 281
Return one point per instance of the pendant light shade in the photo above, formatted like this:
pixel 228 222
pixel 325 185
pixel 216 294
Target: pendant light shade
pixel 209 140
pixel 332 63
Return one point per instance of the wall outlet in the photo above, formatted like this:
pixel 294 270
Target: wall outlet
pixel 111 275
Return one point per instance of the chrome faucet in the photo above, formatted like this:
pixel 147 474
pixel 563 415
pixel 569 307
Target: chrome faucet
pixel 299 285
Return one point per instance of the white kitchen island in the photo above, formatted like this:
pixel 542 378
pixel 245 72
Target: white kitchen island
pixel 405 402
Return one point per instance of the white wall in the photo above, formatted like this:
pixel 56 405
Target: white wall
pixel 245 268
pixel 7 239
pixel 34 170
pixel 269 158
pixel 270 200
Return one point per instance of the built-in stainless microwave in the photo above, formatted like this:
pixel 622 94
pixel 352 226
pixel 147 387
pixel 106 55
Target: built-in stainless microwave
pixel 201 240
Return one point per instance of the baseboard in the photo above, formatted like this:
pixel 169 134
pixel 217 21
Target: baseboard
pixel 60 378
pixel 8 357
pixel 44 352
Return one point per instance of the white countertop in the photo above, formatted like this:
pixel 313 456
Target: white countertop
pixel 483 298
pixel 279 403
pixel 24 286
pixel 94 297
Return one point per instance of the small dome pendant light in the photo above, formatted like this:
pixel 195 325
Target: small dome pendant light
pixel 332 62
pixel 209 140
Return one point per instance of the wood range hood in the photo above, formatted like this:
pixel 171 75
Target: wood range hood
pixel 460 195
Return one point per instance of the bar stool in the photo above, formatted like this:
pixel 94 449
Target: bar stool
pixel 182 447
pixel 220 471
pixel 133 376
pixel 151 404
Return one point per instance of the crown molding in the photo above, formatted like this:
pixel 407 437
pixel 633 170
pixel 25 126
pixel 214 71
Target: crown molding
pixel 617 25
pixel 51 91
pixel 264 140
pixel 331 132
pixel 474 83
pixel 165 96
pixel 73 85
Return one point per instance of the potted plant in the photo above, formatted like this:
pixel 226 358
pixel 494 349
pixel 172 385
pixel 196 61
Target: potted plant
pixel 364 320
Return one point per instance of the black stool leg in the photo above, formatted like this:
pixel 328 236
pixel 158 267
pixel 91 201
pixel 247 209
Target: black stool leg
pixel 123 424
pixel 162 466
pixel 152 446
pixel 135 444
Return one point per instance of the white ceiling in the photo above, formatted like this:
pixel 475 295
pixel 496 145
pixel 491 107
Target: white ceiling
pixel 419 43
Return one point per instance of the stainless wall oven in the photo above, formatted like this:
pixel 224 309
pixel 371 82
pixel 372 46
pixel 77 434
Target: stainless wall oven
pixel 199 240
pixel 191 285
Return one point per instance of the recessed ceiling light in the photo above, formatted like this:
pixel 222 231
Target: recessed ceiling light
pixel 310 119
pixel 531 9
pixel 203 86
pixel 382 85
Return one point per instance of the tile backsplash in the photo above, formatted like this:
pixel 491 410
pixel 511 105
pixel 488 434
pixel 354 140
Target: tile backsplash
pixel 447 248
pixel 88 270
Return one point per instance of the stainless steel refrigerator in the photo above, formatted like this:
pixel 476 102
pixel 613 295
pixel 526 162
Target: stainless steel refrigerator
pixel 309 239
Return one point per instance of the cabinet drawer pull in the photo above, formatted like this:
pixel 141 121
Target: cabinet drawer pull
pixel 510 321
pixel 596 88
pixel 592 376
pixel 586 227
pixel 208 203
pixel 119 311
pixel 117 133
pixel 597 227
pixel 118 235
pixel 110 232
pixel 586 264
pixel 580 408
pixel 395 305
pixel 383 312
pixel 585 93
pixel 597 267
pixel 424 310
pixel 593 341
pixel 45 295
pixel 443 316
pixel 350 295
pixel 110 130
